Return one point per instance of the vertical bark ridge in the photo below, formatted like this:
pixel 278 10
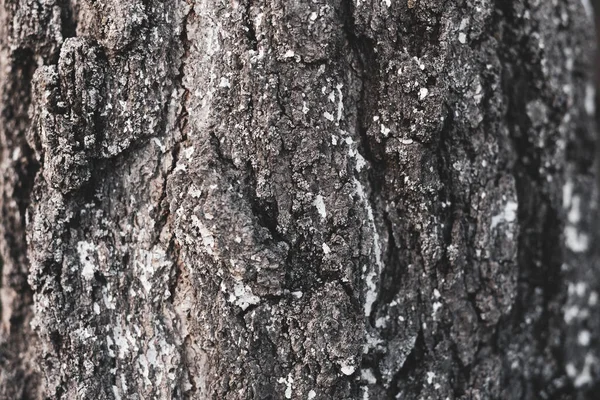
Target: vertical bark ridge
pixel 103 117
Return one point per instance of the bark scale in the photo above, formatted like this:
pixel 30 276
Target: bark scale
pixel 325 199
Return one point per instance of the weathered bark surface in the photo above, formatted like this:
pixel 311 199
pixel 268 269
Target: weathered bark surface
pixel 324 199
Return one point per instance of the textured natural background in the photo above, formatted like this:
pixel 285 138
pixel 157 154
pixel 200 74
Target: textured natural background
pixel 301 199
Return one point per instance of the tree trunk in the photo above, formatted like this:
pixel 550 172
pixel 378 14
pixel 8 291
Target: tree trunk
pixel 271 199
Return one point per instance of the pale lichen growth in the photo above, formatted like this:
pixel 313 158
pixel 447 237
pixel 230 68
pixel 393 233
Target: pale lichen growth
pixel 242 296
pixel 508 215
pixel 289 381
pixel 86 253
pixel 319 204
pixel 370 274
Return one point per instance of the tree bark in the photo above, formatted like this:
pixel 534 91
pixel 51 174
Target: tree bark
pixel 326 199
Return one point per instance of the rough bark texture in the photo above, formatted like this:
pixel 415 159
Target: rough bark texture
pixel 325 199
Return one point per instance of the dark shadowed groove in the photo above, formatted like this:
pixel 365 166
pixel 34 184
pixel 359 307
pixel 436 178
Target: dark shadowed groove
pixel 68 18
pixel 26 167
pixel 410 376
pixel 173 248
pixel 393 270
pixel 363 50
pixel 249 25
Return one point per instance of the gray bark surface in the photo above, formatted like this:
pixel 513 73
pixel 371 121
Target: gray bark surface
pixel 326 199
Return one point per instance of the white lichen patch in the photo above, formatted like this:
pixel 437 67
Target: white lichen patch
pixel 585 376
pixel 368 376
pixel 188 152
pixel 347 367
pixel 110 346
pixel 590 99
pixel 159 144
pixel 578 288
pixel 340 105
pixel 381 322
pixel 319 204
pixel 576 241
pixel 370 274
pixel 224 83
pixel 371 281
pixel 147 262
pixel 567 193
pixel 385 131
pixel 593 299
pixel 108 298
pixel 574 215
pixel 194 191
pixel 208 240
pixel 430 377
pixel 571 370
pixel 584 337
pixel 242 296
pixel 83 333
pixel 575 313
pixel 86 252
pixel 289 381
pixel 360 162
pixel 116 392
pixel 589 9
pixel 123 340
pixel 508 215
pixel 156 352
pixel 331 97
pixel 144 368
pixel 571 313
pixel 365 395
